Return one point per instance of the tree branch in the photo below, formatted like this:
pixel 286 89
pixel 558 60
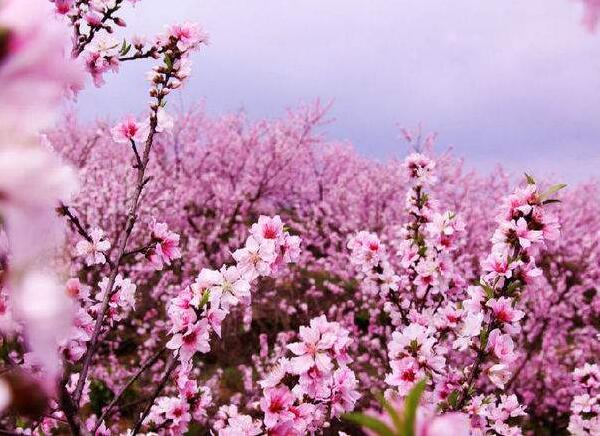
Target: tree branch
pixel 132 380
pixel 173 361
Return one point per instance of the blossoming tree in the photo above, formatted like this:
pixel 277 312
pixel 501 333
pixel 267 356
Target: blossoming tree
pixel 182 274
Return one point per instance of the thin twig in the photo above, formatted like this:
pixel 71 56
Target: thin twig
pixel 132 380
pixel 81 45
pixel 138 159
pixel 122 246
pixel 64 210
pixel 122 240
pixel 69 407
pixel 139 250
pixel 148 54
pixel 173 361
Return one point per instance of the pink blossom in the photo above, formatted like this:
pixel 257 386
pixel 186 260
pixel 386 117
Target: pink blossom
pixel 291 248
pixel 228 287
pixel 526 236
pixel 241 425
pixel 420 168
pixel 268 228
pixel 499 374
pixel 366 250
pixel 94 250
pixel 344 394
pixel 167 246
pixel 502 346
pixel 187 35
pixel 498 266
pixel 276 404
pixel 414 335
pixel 122 298
pixel 192 340
pixel 181 312
pixel 215 317
pixel 177 410
pixel 129 130
pixel 313 350
pixel 276 374
pixel 470 328
pixel 503 310
pixel 76 290
pixel 63 6
pixel 93 19
pixel 98 64
pixel 405 373
pixel 256 258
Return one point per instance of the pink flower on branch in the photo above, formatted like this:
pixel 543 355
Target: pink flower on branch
pixel 94 250
pixel 193 340
pixel 313 350
pixel 166 248
pixel 129 130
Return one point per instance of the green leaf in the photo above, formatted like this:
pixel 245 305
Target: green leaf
pixel 168 62
pixel 530 180
pixel 124 48
pixel 370 422
pixel 410 407
pixel 513 287
pixel 453 398
pixel 553 190
pixel 396 419
pixel 100 396
pixel 204 300
pixel 483 337
pixel 489 291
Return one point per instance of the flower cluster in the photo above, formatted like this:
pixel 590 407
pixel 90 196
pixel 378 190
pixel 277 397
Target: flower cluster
pixel 431 312
pixel 491 318
pixel 128 344
pixel 201 308
pixel 585 407
pixel 302 393
pixel 174 46
pixel 495 414
pixel 44 318
pixel 414 354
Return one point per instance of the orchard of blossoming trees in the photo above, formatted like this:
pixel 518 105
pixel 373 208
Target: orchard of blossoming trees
pixel 182 274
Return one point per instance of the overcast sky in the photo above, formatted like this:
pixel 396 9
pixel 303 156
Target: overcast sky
pixel 516 81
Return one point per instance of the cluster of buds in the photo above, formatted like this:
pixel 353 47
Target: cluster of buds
pixel 174 45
